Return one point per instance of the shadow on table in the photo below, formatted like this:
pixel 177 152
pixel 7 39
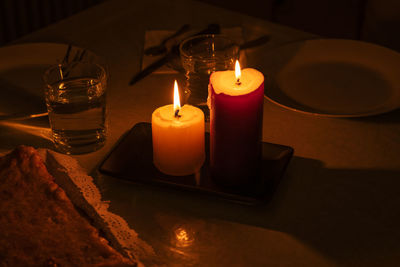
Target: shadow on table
pixel 18 96
pixel 343 213
pixel 21 92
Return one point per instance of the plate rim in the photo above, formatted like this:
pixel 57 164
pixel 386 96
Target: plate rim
pixel 25 48
pixel 332 115
pixel 49 44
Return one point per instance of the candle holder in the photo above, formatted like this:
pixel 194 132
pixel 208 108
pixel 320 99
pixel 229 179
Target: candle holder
pixel 132 160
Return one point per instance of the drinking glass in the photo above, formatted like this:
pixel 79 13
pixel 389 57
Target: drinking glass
pixel 75 96
pixel 200 56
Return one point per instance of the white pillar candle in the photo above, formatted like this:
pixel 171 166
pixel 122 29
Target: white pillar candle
pixel 178 138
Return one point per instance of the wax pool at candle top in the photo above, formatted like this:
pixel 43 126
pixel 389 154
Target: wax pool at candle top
pixel 178 142
pixel 188 115
pixel 226 82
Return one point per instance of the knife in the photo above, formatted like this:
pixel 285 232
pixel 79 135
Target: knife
pixel 211 29
pixel 173 53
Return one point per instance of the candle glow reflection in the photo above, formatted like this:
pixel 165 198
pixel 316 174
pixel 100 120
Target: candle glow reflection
pixel 184 238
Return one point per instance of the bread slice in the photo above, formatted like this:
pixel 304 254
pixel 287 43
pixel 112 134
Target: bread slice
pixel 40 226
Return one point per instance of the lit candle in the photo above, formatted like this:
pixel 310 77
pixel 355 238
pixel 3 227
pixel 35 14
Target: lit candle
pixel 178 138
pixel 236 112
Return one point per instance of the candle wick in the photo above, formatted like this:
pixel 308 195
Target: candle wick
pixel 238 82
pixel 177 113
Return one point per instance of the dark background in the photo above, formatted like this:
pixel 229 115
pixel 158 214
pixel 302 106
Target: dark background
pixel 375 21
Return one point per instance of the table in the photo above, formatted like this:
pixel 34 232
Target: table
pixel 338 203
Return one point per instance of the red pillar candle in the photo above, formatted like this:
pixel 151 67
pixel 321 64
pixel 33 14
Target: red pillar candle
pixel 236 112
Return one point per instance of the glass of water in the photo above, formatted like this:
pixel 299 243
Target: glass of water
pixel 200 56
pixel 75 96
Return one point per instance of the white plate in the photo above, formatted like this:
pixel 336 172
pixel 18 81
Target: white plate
pixel 21 70
pixel 334 78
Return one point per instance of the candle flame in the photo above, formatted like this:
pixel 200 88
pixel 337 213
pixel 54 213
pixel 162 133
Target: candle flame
pixel 177 102
pixel 237 71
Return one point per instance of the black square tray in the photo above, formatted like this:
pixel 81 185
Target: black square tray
pixel 132 160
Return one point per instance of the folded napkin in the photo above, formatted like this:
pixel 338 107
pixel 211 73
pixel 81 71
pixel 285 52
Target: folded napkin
pixel 155 37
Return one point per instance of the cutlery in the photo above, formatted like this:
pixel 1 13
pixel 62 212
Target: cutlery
pixel 161 48
pixel 66 57
pixel 78 57
pixel 175 53
pixel 19 116
pixel 211 29
pixel 79 54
